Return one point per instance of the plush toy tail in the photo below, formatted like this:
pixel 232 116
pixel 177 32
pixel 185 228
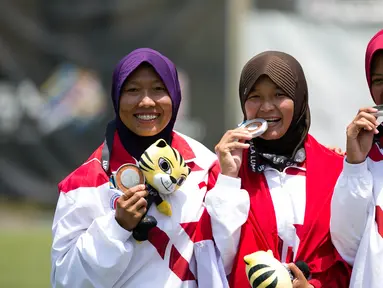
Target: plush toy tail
pixel 165 208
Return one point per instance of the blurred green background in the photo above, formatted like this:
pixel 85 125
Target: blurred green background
pixel 25 240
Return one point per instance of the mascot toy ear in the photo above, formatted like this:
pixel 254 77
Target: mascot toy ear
pixel 263 270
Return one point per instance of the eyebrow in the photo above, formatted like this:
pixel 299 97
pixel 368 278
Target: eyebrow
pixel 134 82
pixel 159 82
pixel 131 82
pixel 258 90
pixel 376 74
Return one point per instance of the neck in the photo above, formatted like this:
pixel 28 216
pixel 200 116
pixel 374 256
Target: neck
pixel 134 144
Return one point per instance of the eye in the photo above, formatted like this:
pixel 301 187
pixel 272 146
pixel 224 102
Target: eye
pixel 280 94
pixel 131 90
pixel 164 165
pixel 253 95
pixel 159 88
pixel 181 180
pixel 377 81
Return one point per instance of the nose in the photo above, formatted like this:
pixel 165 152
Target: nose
pixel 174 181
pixel 267 106
pixel 147 101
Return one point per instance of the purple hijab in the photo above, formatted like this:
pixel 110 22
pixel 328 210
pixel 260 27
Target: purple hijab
pixel 165 68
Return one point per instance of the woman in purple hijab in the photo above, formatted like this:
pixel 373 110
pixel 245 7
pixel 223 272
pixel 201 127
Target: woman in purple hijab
pixel 93 239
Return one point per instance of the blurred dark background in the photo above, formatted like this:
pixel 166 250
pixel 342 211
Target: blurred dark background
pixel 56 63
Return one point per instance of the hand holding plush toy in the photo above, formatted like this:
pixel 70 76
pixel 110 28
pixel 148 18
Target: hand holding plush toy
pixel 264 271
pixel 163 170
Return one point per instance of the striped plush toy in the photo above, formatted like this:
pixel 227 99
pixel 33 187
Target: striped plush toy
pixel 263 270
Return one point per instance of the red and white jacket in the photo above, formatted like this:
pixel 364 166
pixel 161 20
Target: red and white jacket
pixel 357 219
pixel 90 249
pixel 287 190
pixel 287 212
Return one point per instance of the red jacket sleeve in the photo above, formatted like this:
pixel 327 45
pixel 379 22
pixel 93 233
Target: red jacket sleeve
pixel 214 170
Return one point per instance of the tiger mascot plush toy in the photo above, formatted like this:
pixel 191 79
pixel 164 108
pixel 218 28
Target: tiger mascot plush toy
pixel 264 271
pixel 163 170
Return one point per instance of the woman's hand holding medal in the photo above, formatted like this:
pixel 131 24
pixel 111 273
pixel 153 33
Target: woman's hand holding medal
pixel 360 134
pixel 131 206
pixel 229 149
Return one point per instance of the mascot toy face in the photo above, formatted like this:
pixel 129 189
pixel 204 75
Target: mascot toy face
pixel 263 270
pixel 163 167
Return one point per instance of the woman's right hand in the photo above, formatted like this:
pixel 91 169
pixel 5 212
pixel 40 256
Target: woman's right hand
pixel 229 150
pixel 131 206
pixel 360 134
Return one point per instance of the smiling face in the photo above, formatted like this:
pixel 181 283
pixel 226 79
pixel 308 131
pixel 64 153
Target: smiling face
pixel 267 101
pixel 145 105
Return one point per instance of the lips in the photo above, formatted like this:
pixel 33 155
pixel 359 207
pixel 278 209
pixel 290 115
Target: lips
pixel 147 116
pixel 272 119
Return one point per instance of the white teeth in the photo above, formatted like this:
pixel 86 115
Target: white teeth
pixel 147 116
pixel 273 119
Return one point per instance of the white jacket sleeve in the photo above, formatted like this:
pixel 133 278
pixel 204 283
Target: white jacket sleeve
pixel 228 206
pixel 89 247
pixel 349 209
pixel 210 270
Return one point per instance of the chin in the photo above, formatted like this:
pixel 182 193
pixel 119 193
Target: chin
pixel 271 136
pixel 146 132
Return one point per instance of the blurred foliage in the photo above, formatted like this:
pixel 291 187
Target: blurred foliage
pixel 25 243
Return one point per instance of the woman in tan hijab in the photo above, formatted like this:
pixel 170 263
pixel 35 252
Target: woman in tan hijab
pixel 288 176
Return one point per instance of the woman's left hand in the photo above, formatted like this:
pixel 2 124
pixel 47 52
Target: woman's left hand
pixel 300 280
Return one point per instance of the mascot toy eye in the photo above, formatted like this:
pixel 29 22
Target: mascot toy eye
pixel 264 271
pixel 163 170
pixel 163 167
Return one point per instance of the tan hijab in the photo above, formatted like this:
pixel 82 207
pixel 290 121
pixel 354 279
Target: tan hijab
pixel 286 72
